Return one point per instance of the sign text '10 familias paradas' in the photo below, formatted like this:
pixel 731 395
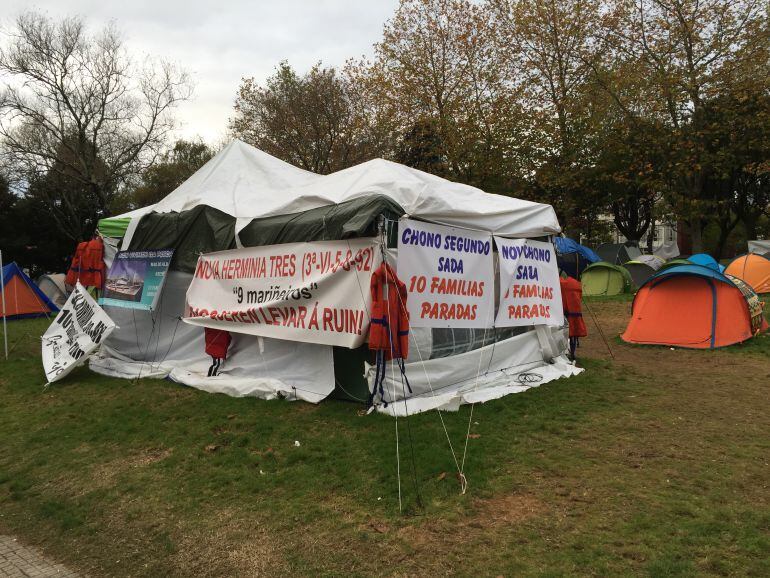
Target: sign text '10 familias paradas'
pixel 530 293
pixel 448 273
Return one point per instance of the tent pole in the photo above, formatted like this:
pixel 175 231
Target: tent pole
pixel 2 291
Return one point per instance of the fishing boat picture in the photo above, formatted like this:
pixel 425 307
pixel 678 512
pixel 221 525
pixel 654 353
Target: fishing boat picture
pixel 126 281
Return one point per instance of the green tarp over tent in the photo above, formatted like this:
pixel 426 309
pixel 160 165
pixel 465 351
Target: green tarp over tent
pixel 350 219
pixel 202 229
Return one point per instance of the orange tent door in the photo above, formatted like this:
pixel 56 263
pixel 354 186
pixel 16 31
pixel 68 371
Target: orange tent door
pixel 676 311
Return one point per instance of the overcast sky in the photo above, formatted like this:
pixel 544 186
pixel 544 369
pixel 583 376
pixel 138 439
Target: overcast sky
pixel 219 42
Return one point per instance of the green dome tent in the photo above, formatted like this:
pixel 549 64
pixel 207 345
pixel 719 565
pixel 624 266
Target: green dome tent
pixel 605 279
pixel 674 262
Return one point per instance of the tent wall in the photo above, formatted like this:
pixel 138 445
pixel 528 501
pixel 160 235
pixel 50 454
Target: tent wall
pixel 639 272
pixel 617 253
pixel 510 366
pixel 668 250
pixel 159 344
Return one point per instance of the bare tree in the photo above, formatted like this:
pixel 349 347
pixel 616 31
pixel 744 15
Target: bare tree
pixel 76 106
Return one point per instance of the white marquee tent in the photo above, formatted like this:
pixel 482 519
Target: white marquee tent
pixel 245 197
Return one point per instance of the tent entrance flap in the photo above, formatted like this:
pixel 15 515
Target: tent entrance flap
pixel 681 312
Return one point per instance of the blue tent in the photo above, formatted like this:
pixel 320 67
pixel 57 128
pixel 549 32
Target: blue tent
pixel 572 257
pixel 706 260
pixel 23 299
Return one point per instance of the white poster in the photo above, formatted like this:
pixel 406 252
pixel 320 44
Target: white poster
pixel 79 328
pixel 530 293
pixel 311 292
pixel 448 273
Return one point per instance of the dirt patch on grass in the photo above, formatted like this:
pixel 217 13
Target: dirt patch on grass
pixel 228 543
pixel 110 470
pixel 506 509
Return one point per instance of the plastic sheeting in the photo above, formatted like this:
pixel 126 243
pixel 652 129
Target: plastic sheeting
pixel 653 261
pixel 758 246
pixel 668 250
pixel 157 344
pixel 511 366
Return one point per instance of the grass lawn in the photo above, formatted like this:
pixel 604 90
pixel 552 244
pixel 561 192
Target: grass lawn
pixel 653 462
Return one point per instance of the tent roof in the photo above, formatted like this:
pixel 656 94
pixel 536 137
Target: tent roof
pixel 654 261
pixel 57 279
pixel 638 263
pixel 247 183
pixel 606 265
pixel 617 252
pixel 754 269
pixel 706 260
pixel 691 269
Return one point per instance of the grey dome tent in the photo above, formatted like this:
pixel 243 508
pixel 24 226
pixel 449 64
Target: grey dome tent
pixel 53 286
pixel 639 271
pixel 617 253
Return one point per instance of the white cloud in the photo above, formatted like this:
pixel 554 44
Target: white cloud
pixel 221 42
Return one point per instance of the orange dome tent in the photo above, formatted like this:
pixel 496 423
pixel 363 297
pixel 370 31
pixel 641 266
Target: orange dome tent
pixel 695 307
pixel 22 297
pixel 752 268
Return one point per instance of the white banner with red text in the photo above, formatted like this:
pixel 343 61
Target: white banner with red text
pixel 448 273
pixel 311 292
pixel 530 293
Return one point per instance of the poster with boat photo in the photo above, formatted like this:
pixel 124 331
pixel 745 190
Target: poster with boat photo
pixel 135 279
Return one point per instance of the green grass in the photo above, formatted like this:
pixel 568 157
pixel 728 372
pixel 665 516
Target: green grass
pixel 616 471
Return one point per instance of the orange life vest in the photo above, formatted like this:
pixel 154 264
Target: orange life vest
pixel 87 264
pixel 74 271
pixel 572 301
pixel 389 330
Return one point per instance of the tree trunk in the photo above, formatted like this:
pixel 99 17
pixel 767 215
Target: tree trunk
pixel 750 226
pixel 723 235
pixel 696 235
pixel 651 234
